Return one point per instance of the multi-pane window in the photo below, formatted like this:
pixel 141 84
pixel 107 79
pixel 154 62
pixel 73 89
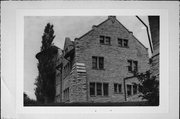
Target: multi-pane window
pixel 97 62
pixel 117 88
pixel 132 66
pixel 122 42
pixel 105 40
pixel 99 89
pixel 132 89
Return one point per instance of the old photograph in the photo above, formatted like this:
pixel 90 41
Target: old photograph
pixel 91 60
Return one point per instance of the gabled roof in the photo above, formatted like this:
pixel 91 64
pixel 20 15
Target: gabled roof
pixel 110 18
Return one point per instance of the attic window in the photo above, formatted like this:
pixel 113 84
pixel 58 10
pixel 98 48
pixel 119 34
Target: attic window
pixel 105 40
pixel 122 42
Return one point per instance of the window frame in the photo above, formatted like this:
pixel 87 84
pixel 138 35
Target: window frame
pixel 105 89
pixel 99 89
pixel 103 92
pixel 99 63
pixel 104 40
pixel 117 90
pixel 123 42
pixel 94 89
pixel 94 62
pixel 132 65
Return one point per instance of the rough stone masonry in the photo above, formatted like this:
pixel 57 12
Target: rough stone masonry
pixel 92 68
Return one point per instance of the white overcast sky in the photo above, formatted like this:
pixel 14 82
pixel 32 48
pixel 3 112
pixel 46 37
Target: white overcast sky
pixel 72 27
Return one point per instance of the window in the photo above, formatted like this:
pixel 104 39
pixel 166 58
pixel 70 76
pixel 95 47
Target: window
pixel 102 40
pixel 108 40
pixel 94 62
pixel 132 65
pixel 99 89
pixel 134 89
pixel 105 40
pixel 129 90
pixel 122 42
pixel 117 88
pixel 125 43
pixel 92 89
pixel 97 62
pixel 105 89
pixel 101 63
pixel 135 66
pixel 129 65
pixel 66 94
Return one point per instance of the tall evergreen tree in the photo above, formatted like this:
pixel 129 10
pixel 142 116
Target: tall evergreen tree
pixel 45 82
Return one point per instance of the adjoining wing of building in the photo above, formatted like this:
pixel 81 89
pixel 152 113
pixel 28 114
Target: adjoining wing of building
pixel 92 68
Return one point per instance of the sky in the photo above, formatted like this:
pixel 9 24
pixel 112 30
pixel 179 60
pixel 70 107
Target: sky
pixel 66 26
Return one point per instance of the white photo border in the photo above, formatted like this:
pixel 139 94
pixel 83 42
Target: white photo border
pixel 163 107
pixel 12 43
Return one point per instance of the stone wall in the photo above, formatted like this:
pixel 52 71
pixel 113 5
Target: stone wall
pixel 115 57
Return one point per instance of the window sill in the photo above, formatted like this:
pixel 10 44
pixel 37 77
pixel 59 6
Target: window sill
pixel 97 69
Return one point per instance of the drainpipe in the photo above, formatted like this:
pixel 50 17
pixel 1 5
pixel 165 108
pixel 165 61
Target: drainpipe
pixel 147 29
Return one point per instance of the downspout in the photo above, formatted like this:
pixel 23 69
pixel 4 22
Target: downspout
pixel 147 29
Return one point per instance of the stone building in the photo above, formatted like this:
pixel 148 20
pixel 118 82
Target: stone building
pixel 93 67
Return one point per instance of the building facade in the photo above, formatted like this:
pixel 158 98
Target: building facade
pixel 93 67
